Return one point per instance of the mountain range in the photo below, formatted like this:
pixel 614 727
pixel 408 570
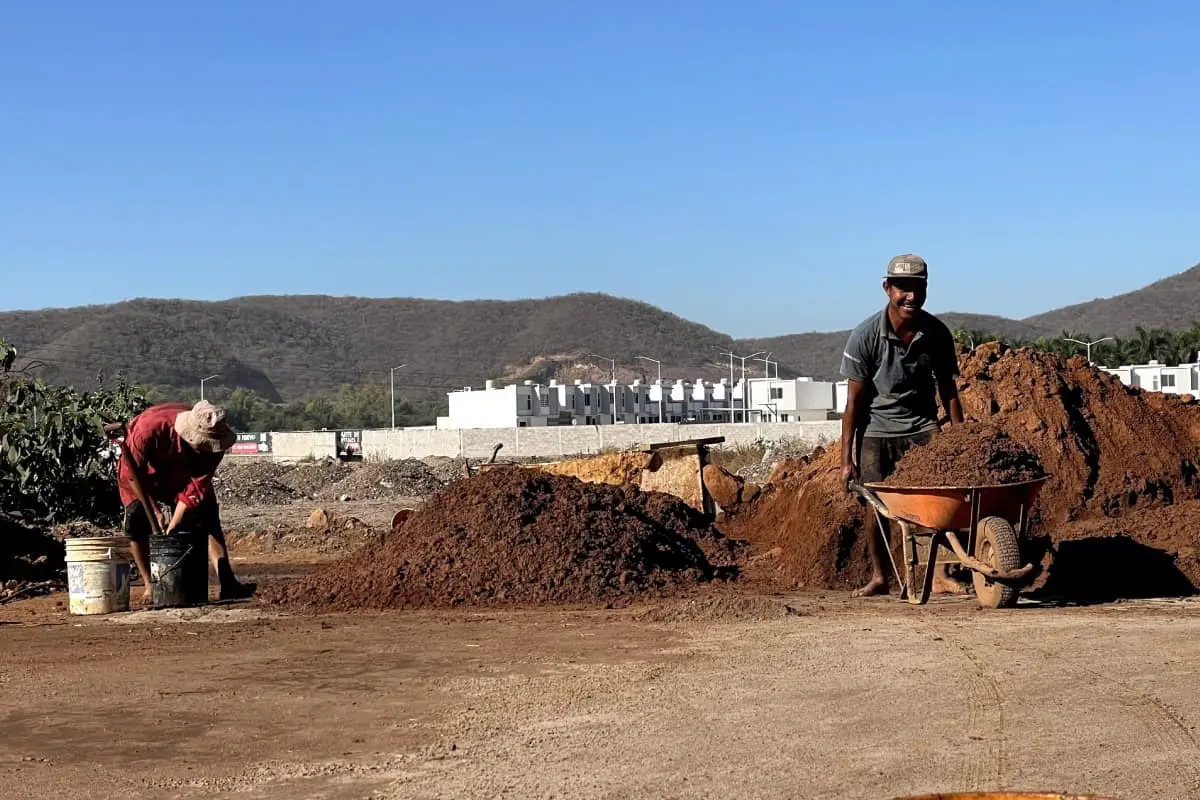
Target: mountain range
pixel 294 346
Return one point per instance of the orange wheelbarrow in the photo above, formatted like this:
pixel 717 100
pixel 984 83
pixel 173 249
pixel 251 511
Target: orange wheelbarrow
pixel 992 520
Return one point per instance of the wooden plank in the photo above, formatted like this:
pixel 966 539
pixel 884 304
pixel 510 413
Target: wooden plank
pixel 685 443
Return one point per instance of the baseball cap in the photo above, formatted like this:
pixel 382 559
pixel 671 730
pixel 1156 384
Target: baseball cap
pixel 908 266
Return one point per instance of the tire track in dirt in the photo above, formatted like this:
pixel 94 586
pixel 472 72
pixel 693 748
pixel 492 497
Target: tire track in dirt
pixel 988 771
pixel 1163 723
pixel 985 754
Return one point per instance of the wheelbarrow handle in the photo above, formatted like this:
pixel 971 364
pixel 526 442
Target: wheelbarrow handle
pixel 866 494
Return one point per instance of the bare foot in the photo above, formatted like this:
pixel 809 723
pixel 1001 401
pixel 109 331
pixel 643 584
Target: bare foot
pixel 148 595
pixel 876 585
pixel 944 584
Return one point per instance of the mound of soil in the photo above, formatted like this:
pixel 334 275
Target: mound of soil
pixel 254 483
pixel 83 529
pixel 445 469
pixel 385 479
pixel 1108 447
pixel 616 469
pixel 267 483
pixel 1111 452
pixel 806 516
pixel 1152 552
pixel 309 480
pixel 337 535
pixel 513 536
pixel 975 454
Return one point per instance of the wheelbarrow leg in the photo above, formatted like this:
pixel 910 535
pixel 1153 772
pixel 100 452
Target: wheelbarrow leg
pixel 910 561
pixel 886 541
pixel 930 568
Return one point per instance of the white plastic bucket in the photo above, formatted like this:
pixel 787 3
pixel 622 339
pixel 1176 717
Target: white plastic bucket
pixel 98 574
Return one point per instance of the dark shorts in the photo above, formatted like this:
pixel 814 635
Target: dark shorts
pixel 206 518
pixel 878 455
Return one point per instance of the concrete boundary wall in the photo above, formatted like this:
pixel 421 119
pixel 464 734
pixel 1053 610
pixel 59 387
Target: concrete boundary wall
pixel 550 442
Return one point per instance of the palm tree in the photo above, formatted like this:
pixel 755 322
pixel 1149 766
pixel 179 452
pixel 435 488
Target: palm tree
pixel 1186 345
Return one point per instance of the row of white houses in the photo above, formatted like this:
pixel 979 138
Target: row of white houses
pixel 530 404
pixel 1156 377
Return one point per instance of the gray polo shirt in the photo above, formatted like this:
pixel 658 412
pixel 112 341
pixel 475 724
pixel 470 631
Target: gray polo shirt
pixel 904 377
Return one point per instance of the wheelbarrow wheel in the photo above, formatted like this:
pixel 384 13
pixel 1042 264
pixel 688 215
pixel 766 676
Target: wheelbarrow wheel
pixel 996 545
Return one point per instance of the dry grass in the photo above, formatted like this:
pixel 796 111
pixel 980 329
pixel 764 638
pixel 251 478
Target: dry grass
pixel 738 457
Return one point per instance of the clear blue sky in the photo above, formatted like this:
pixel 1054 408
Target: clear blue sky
pixel 749 165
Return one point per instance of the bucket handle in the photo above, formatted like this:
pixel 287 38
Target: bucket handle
pixel 175 566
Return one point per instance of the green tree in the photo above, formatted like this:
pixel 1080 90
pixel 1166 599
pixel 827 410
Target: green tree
pixel 55 461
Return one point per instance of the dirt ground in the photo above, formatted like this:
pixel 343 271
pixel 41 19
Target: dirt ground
pixel 720 695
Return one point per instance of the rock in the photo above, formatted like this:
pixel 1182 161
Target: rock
pixel 991 350
pixel 344 498
pixel 318 519
pixel 722 486
pixel 11 585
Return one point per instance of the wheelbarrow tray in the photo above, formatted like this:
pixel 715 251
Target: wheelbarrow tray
pixel 949 507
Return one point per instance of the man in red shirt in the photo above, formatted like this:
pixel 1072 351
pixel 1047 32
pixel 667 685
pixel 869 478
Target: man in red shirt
pixel 177 449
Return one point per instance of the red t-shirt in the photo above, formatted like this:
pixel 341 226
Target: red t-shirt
pixel 170 473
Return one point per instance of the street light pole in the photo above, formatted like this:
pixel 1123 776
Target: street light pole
pixel 732 356
pixel 1088 345
pixel 204 380
pixel 745 387
pixel 660 386
pixel 392 377
pixel 613 403
pixel 745 393
pixel 767 362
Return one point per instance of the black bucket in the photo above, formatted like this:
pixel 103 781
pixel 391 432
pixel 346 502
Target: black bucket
pixel 179 566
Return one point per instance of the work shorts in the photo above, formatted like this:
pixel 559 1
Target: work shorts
pixel 878 455
pixel 206 518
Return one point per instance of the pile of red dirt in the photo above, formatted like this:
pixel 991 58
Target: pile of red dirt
pixel 1111 452
pixel 515 536
pixel 1151 552
pixel 975 454
pixel 808 523
pixel 1108 447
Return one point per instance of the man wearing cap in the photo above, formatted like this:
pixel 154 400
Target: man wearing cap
pixel 176 449
pixel 896 364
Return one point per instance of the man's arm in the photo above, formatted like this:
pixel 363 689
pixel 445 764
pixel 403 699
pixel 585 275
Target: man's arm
pixel 858 368
pixel 197 490
pixel 946 384
pixel 858 406
pixel 949 393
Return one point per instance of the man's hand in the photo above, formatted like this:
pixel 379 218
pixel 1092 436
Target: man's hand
pixel 849 473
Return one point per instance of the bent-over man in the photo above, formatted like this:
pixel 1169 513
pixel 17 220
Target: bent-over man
pixel 176 449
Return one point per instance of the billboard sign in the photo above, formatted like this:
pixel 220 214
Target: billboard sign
pixel 349 445
pixel 251 444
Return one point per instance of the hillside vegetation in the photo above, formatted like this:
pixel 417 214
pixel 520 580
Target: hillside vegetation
pixel 293 349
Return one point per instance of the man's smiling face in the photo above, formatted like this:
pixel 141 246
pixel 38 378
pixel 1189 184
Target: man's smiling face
pixel 906 296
